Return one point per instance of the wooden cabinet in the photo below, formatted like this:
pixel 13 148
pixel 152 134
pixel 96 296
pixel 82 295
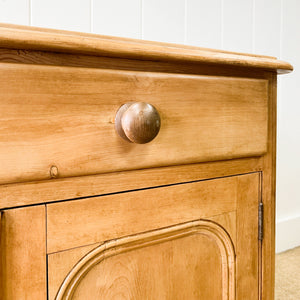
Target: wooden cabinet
pixel 87 214
pixel 186 241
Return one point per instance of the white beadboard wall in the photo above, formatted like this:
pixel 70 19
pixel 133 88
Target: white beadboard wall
pixel 270 27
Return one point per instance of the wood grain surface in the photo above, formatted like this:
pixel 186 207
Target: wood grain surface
pixel 228 222
pixel 171 263
pixel 24 37
pixel 37 57
pixel 247 269
pixel 82 222
pixel 137 122
pixel 268 198
pixel 60 264
pixel 63 117
pixel 58 189
pixel 244 194
pixel 60 92
pixel 23 253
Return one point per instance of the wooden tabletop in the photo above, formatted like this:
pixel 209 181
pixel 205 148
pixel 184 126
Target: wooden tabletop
pixel 26 37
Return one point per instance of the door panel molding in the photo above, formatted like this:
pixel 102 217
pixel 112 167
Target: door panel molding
pixel 108 249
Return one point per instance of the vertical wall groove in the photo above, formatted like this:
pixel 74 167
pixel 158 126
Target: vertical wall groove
pixel 253 26
pixel 222 24
pixel 142 19
pixel 281 29
pixel 91 16
pixel 185 21
pixel 29 12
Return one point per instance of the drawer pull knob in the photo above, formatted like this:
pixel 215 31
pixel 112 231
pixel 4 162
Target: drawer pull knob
pixel 137 122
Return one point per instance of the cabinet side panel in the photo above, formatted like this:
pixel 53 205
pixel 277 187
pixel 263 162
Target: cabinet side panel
pixel 23 253
pixel 268 197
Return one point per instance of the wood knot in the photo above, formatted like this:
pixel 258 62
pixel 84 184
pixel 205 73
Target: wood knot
pixel 53 172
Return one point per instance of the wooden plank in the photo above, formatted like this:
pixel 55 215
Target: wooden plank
pixel 23 253
pixel 247 271
pixel 268 198
pixel 64 116
pixel 82 222
pixel 77 187
pixel 22 37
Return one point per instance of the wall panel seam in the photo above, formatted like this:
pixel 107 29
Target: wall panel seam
pixel 185 22
pixel 222 24
pixel 30 12
pixel 91 16
pixel 253 26
pixel 142 19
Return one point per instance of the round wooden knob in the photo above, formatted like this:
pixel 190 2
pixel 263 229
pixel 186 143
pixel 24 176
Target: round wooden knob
pixel 137 122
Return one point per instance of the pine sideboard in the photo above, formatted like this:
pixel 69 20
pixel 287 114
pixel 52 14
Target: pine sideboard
pixel 134 169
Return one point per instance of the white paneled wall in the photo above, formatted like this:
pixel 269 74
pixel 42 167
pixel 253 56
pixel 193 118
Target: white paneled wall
pixel 204 23
pixel 288 162
pixel 267 27
pixel 163 20
pixel 61 14
pixel 270 27
pixel 237 25
pixel 15 11
pixel 117 17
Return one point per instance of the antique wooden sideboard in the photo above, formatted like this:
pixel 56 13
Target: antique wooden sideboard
pixel 134 169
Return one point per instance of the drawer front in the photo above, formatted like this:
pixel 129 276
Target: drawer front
pixel 64 117
pixel 150 242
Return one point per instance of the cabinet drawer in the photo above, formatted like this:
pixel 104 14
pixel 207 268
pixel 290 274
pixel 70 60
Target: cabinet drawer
pixel 205 231
pixel 64 117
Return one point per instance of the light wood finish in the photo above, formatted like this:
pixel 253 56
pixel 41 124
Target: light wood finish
pixel 69 188
pixel 156 264
pixel 60 263
pixel 268 198
pixel 70 42
pixel 210 166
pixel 114 63
pixel 23 253
pixel 111 266
pixel 203 118
pixel 124 214
pixel 228 222
pixel 247 240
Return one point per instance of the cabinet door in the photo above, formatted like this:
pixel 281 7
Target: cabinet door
pixel 187 241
